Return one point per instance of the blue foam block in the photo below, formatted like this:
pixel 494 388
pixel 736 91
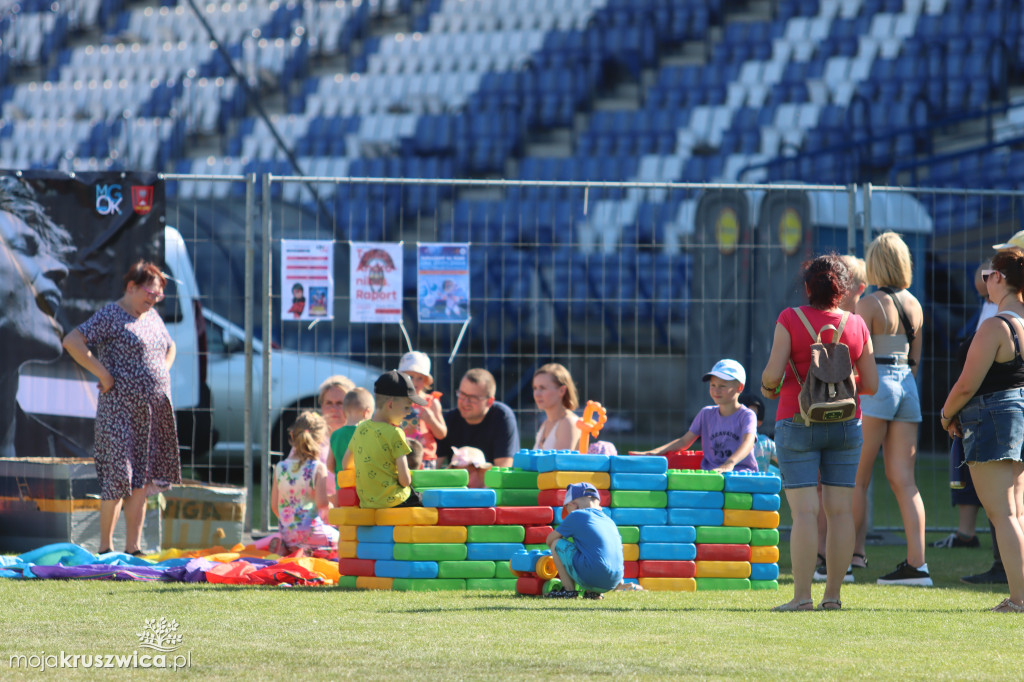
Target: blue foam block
pixel 668 551
pixel 492 551
pixel 764 571
pixel 696 499
pixel 558 516
pixel 627 481
pixel 695 517
pixel 637 516
pixel 459 497
pixel 526 560
pixel 525 460
pixel 766 502
pixel 405 569
pixel 375 550
pixel 668 534
pixel 625 464
pixel 375 534
pixel 752 482
pixel 566 460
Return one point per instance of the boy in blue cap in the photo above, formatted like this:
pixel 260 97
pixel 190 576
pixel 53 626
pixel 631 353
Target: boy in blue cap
pixel 593 560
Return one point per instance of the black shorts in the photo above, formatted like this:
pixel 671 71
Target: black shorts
pixel 415 500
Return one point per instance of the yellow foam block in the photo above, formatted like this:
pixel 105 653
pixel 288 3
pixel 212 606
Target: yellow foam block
pixel 407 516
pixel 351 516
pixel 347 478
pixel 347 533
pixel 444 534
pixel 556 480
pixel 630 552
pixel 347 549
pixel 764 555
pixel 751 518
pixel 371 582
pixel 723 569
pixel 669 584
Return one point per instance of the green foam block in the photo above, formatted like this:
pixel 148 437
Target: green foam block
pixel 764 584
pixel 739 501
pixel 727 535
pixel 695 480
pixel 503 569
pixel 630 534
pixel 640 498
pixel 495 533
pixel 503 584
pixel 764 537
pixel 427 584
pixel 515 497
pixel 507 477
pixel 429 551
pixel 540 545
pixel 465 569
pixel 439 478
pixel 722 584
pixel 347 581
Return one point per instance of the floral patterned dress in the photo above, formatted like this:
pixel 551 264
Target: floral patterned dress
pixel 136 435
pixel 301 525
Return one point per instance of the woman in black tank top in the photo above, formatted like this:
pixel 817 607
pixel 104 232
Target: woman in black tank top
pixel 986 408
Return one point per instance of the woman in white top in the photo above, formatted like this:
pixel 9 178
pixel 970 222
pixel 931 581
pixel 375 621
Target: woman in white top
pixel 891 416
pixel 555 394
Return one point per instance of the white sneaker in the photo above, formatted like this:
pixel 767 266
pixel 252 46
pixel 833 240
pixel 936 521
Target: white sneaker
pixel 820 574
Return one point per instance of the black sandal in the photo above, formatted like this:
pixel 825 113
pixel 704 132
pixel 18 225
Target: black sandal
pixel 137 552
pixel 862 558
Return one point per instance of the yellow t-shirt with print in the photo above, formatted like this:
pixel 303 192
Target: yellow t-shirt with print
pixel 375 447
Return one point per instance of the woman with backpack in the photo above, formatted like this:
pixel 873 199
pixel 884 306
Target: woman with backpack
pixel 985 407
pixel 894 318
pixel 817 427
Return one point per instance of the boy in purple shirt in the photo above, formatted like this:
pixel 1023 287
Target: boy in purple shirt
pixel 727 429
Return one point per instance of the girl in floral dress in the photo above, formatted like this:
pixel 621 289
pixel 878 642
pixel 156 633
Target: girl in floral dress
pixel 300 491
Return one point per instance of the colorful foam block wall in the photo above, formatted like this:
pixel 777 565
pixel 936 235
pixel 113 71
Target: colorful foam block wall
pixel 682 530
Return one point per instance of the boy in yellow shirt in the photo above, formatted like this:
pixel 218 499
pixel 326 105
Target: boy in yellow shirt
pixel 378 447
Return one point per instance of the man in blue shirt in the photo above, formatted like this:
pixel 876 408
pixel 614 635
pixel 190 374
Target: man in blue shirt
pixel 593 560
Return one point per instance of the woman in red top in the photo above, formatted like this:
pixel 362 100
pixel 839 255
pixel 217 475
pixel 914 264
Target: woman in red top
pixel 832 449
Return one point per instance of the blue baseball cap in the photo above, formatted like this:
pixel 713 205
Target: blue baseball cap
pixel 730 370
pixel 574 491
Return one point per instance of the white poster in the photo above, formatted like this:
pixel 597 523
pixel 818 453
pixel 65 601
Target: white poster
pixel 443 293
pixel 307 279
pixel 376 274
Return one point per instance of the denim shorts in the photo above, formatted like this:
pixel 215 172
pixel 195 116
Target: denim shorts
pixel 896 399
pixel 993 426
pixel 832 449
pixel 566 554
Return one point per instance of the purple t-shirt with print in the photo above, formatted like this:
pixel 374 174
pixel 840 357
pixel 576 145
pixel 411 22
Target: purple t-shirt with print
pixel 720 436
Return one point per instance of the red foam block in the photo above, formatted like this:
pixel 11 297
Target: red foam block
pixel 555 497
pixel 356 566
pixel 466 516
pixel 536 535
pixel 668 569
pixel 631 569
pixel 530 585
pixel 347 497
pixel 522 516
pixel 685 459
pixel 715 552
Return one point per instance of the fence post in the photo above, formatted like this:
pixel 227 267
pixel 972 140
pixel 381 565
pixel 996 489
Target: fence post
pixel 250 255
pixel 867 216
pixel 268 283
pixel 851 219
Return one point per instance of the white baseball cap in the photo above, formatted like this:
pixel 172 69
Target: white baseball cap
pixel 730 370
pixel 416 361
pixel 1016 240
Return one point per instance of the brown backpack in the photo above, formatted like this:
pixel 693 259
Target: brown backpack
pixel 829 393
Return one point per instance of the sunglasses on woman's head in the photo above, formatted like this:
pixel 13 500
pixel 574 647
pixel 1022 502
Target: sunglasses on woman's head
pixel 986 273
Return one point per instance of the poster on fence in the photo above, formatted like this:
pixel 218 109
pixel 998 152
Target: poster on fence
pixel 307 279
pixel 376 288
pixel 443 282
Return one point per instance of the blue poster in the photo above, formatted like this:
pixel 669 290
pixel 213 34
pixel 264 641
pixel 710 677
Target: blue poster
pixel 443 282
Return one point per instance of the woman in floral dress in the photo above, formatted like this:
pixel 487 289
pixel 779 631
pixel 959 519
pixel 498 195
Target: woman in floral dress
pixel 126 345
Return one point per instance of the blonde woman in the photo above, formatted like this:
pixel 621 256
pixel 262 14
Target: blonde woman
pixel 891 416
pixel 555 394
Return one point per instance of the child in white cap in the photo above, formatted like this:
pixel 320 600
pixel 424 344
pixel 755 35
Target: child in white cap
pixel 424 425
pixel 727 429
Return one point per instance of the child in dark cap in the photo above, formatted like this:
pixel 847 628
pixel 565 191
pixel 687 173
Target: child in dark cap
pixel 593 560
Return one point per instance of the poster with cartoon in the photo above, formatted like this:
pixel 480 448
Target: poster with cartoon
pixel 307 279
pixel 443 282
pixel 376 274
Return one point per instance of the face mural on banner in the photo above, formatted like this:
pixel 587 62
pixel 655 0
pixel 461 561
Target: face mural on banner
pixel 64 245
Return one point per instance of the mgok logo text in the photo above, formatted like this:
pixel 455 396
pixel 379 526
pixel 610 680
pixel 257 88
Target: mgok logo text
pixel 108 199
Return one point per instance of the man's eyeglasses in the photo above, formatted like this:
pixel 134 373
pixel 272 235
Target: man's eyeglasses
pixel 986 273
pixel 471 398
pixel 157 295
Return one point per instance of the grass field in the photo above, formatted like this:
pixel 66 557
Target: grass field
pixel 312 633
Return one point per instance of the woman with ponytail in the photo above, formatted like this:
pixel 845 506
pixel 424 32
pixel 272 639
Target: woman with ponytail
pixel 986 408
